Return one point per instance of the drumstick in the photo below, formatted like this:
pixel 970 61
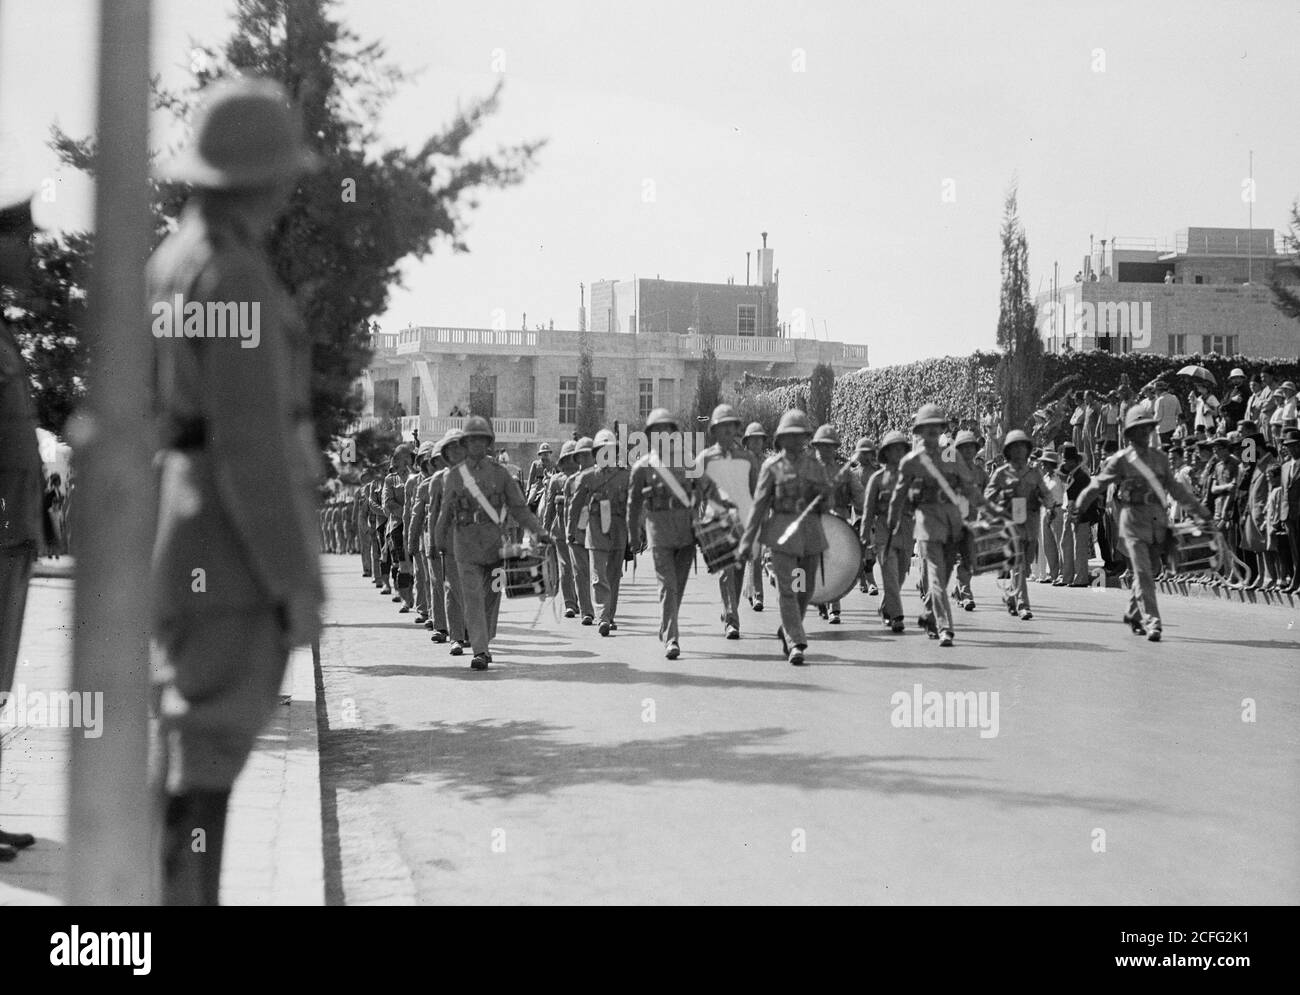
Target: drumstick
pixel 793 527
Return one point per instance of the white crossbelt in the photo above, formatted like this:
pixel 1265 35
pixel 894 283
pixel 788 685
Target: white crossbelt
pixel 1149 476
pixel 963 505
pixel 673 483
pixel 471 485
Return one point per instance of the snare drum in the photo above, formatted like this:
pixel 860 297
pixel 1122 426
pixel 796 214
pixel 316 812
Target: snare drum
pixel 719 540
pixel 996 544
pixel 1196 549
pixel 530 572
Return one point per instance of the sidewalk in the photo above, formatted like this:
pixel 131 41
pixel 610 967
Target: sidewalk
pixel 273 853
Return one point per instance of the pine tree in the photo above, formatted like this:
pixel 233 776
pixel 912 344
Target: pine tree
pixel 821 389
pixel 1020 368
pixel 1285 298
pixel 708 387
pixel 588 417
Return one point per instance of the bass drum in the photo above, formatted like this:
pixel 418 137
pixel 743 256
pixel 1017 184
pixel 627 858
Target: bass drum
pixel 840 561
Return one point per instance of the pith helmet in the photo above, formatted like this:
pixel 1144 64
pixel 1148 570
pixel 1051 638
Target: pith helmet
pixel 605 437
pixel 755 430
pixel 247 135
pixel 425 450
pixel 1139 416
pixel 660 418
pixel 826 435
pixel 722 414
pixel 1016 436
pixel 794 422
pixel 583 445
pixel 566 449
pixel 894 438
pixel 480 426
pixel 930 414
pixel 865 445
pixel 545 447
pixel 405 449
pixel 967 438
pixel 452 435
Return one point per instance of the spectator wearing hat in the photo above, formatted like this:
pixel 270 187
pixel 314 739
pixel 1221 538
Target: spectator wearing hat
pixel 1289 502
pixel 1047 534
pixel 1277 550
pixel 1233 408
pixel 1168 410
pixel 1207 408
pixel 232 418
pixel 1076 531
pixel 1284 411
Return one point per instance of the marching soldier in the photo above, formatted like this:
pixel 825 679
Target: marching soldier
pixel 451 447
pixel 939 493
pixel 755 441
pixel 846 495
pixel 1019 492
pixel 602 491
pixel 394 502
pixel 793 487
pixel 1144 484
pixel 669 499
pixel 894 557
pixel 555 522
pixel 361 513
pixel 380 519
pixel 967 444
pixel 479 495
pixel 417 510
pixel 734 469
pixel 538 472
pixel 863 467
pixel 232 420
pixel 583 458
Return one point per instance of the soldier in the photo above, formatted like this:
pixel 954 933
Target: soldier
pixel 538 472
pixel 451 447
pixel 232 419
pixel 365 532
pixel 1144 484
pixel 735 471
pixel 939 492
pixel 602 491
pixel 555 522
pixel 21 526
pixel 478 497
pixel 793 486
pixel 967 445
pixel 894 557
pixel 417 511
pixel 379 519
pixel 1018 491
pixel 394 502
pixel 755 441
pixel 669 500
pixel 847 492
pixel 583 458
pixel 863 467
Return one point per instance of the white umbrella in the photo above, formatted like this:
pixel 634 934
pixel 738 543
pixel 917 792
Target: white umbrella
pixel 1199 372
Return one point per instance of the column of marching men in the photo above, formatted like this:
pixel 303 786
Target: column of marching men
pixel 431 525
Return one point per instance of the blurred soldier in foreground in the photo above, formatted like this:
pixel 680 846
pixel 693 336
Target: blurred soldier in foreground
pixel 755 441
pixel 232 418
pixel 735 470
pixel 21 527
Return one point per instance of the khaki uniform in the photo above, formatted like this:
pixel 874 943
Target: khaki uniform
pixel 606 545
pixel 862 473
pixel 394 502
pixel 554 521
pixel 895 558
pixel 847 495
pixel 465 526
pixel 417 516
pixel 668 529
pixel 446 572
pixel 735 472
pixel 937 522
pixel 1006 490
pixel 966 556
pixel 785 488
pixel 365 532
pixel 578 559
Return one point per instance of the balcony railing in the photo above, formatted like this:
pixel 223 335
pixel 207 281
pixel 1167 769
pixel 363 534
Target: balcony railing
pixel 506 429
pixel 747 345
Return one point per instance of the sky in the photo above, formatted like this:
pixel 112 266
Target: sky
pixel 873 142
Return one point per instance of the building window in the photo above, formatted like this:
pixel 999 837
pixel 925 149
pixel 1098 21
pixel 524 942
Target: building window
pixel 645 401
pixel 746 319
pixel 1178 345
pixel 1200 279
pixel 668 394
pixel 483 395
pixel 1224 345
pixel 415 395
pixel 568 400
pixel 598 388
pixel 1230 345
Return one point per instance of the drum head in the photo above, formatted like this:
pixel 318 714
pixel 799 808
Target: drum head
pixel 840 561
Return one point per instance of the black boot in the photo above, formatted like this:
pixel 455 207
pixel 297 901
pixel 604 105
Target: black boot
pixel 192 846
pixel 16 840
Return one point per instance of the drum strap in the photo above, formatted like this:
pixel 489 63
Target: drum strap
pixel 673 483
pixel 471 485
pixel 1149 476
pixel 962 504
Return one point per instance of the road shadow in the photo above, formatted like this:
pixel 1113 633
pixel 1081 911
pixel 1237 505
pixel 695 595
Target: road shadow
pixel 1045 643
pixel 486 760
pixel 602 672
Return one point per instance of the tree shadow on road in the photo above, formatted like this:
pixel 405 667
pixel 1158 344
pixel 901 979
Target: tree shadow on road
pixel 487 759
pixel 597 672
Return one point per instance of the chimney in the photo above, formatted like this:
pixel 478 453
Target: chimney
pixel 764 264
pixel 582 307
pixel 746 269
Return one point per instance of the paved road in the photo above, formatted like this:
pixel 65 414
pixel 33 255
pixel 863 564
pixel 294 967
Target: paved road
pixel 593 770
